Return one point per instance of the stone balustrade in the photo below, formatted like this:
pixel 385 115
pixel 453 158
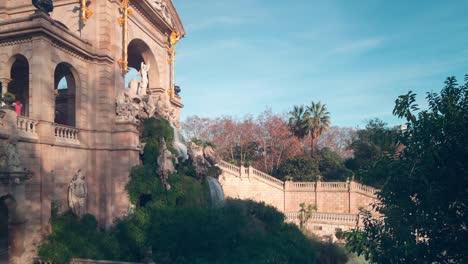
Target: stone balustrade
pixel 26 126
pixel 228 166
pixel 267 177
pixel 363 189
pixel 66 134
pixel 299 186
pixel 347 219
pixel 333 186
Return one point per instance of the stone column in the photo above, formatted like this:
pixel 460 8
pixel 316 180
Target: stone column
pixel 5 82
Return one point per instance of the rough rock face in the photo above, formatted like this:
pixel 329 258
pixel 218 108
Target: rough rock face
pixel 210 155
pixel 165 164
pixel 202 158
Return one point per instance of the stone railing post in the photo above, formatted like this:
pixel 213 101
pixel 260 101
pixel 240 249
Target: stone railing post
pixel 242 172
pixel 287 185
pixel 251 169
pixel 318 187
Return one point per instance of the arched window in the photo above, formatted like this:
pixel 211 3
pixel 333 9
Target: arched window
pixel 19 85
pixel 65 88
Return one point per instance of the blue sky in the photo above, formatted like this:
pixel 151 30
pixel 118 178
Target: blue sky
pixel 240 57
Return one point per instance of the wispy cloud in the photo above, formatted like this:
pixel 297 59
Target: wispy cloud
pixel 359 46
pixel 216 22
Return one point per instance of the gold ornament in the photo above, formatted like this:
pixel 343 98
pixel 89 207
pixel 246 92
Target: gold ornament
pixel 123 22
pixel 86 12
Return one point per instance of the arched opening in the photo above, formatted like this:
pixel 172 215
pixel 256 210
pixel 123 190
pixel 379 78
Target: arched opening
pixel 138 52
pixel 65 90
pixel 19 85
pixel 4 238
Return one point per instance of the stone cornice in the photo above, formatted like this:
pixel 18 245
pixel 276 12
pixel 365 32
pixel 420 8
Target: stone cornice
pixel 155 17
pixel 39 24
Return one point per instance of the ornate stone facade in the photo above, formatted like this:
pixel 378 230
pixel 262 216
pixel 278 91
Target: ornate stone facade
pixel 78 114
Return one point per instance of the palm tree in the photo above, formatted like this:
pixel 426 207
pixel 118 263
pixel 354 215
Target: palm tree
pixel 318 121
pixel 297 122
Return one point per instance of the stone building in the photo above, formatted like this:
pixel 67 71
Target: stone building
pixel 67 70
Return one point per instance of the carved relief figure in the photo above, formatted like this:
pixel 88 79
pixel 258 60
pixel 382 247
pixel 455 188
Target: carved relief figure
pixel 165 164
pixel 78 194
pixel 9 156
pixel 144 79
pixel 125 108
pixel 157 4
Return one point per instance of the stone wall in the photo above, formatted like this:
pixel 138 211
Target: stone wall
pixel 329 197
pixel 338 203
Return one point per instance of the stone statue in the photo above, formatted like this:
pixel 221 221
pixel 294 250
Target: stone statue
pixel 165 164
pixel 157 4
pixel 162 108
pixel 133 90
pixel 45 6
pixel 125 109
pixel 203 157
pixel 78 194
pixel 198 160
pixel 9 157
pixel 144 79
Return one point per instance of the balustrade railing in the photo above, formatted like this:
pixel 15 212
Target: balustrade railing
pixel 300 186
pixel 225 165
pixel 363 188
pixel 333 186
pixel 267 177
pixel 66 134
pixel 325 217
pixel 26 126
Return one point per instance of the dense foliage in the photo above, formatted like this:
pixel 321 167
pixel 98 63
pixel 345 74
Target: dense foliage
pixel 424 199
pixel 179 226
pixel 325 165
pixel 371 146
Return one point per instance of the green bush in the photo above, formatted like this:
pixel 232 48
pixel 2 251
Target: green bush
pixel 71 237
pixel 179 225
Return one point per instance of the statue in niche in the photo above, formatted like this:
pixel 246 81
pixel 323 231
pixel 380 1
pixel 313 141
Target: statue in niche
pixel 9 157
pixel 143 87
pixel 78 194
pixel 165 164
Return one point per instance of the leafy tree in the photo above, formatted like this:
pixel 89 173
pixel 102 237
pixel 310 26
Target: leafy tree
pixel 370 145
pixel 305 213
pixel 303 168
pixel 424 200
pixel 318 122
pixel 332 167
